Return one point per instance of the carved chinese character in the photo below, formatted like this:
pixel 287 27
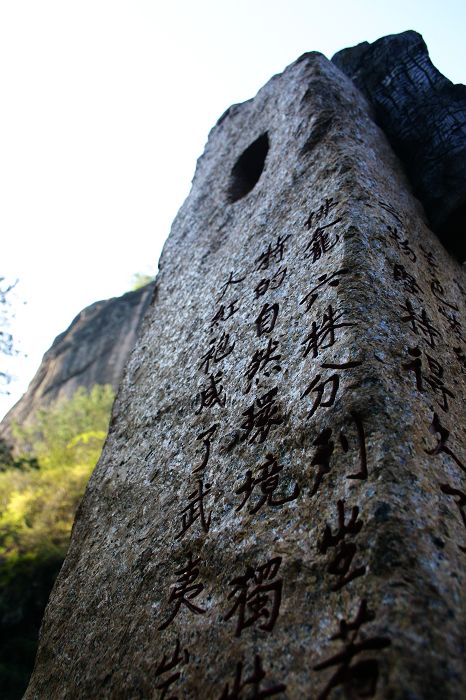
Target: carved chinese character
pixel 212 394
pixel 274 253
pixel 185 590
pixel 430 260
pixel 321 459
pixel 361 436
pixel 442 434
pixel 322 334
pixel 434 377
pixel 325 447
pixel 341 563
pixel 420 323
pixel 261 417
pixel 331 280
pixel 408 281
pixel 403 245
pixel 326 397
pixel 439 293
pixel 167 665
pixel 218 350
pixel 268 480
pixel 358 678
pixel 391 210
pixel 461 504
pixel 257 596
pixel 260 362
pixel 270 283
pixel 206 438
pixel 195 510
pixel 230 282
pixel 255 692
pixel 454 325
pixel 265 322
pixel 321 242
pixel 224 313
pixel 321 213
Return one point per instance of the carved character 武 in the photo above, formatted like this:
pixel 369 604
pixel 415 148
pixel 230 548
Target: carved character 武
pixel 195 510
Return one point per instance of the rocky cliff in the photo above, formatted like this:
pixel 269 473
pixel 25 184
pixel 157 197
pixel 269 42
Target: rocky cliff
pixel 93 350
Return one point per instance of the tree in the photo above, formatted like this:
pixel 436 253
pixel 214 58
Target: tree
pixel 6 338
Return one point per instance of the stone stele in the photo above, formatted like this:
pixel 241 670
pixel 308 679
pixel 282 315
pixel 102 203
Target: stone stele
pixel 280 507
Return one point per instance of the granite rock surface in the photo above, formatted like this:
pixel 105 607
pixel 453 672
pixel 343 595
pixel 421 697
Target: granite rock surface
pixel 279 507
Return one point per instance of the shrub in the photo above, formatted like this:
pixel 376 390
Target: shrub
pixel 39 497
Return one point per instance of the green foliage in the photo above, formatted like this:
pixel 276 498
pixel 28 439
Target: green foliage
pixel 48 438
pixel 140 279
pixel 39 496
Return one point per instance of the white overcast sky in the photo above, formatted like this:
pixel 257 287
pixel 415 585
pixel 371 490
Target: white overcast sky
pixel 106 105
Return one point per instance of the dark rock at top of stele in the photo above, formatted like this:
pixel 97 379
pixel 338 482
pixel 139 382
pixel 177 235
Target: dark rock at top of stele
pixel 93 350
pixel 423 115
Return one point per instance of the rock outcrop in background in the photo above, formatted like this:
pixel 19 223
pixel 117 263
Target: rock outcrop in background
pixel 93 350
pixel 278 510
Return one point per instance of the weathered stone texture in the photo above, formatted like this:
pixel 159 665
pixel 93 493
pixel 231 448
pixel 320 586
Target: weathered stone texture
pixel 93 350
pixel 424 116
pixel 279 508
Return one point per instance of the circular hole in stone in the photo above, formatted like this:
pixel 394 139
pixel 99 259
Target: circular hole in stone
pixel 248 168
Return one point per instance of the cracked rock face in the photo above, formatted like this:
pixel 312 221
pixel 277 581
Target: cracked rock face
pixel 424 116
pixel 279 507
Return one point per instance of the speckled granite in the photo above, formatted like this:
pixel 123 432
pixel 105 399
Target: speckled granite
pixel 279 510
